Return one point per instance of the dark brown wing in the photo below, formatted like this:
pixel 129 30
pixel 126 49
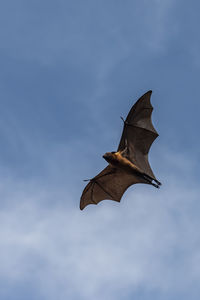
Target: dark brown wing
pixel 139 133
pixel 111 183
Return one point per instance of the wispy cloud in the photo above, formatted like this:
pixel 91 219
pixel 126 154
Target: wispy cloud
pixel 149 240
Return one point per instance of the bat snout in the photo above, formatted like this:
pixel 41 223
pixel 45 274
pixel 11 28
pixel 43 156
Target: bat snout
pixel 108 156
pixel 105 156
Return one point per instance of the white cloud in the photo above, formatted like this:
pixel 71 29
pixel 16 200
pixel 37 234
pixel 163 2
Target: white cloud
pixel 149 240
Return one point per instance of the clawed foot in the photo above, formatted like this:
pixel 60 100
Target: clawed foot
pixel 152 181
pixel 158 182
pixel 156 185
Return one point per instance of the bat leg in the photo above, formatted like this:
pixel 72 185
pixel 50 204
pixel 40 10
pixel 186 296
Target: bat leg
pixel 156 185
pixel 150 181
pixel 158 182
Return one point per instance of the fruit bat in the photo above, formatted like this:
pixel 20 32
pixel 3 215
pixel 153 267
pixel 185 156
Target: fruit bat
pixel 129 165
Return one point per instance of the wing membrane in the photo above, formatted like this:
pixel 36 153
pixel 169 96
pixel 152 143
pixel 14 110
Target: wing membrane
pixel 139 133
pixel 111 183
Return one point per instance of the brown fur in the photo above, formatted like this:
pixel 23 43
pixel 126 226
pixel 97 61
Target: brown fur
pixel 117 160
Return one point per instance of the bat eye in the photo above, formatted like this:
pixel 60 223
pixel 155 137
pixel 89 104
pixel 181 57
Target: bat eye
pixel 113 152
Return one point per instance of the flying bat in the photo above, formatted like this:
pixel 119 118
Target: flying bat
pixel 129 164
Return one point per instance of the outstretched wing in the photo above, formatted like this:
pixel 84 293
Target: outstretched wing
pixel 138 133
pixel 111 183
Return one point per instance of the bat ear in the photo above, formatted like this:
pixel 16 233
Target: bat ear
pixel 125 152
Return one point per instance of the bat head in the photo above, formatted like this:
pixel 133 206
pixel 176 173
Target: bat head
pixel 109 157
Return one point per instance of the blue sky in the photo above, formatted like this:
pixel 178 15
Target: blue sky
pixel 69 70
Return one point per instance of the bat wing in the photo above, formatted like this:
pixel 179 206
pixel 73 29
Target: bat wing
pixel 111 183
pixel 139 133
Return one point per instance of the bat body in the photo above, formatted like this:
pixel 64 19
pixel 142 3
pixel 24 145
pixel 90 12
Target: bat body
pixel 129 164
pixel 117 160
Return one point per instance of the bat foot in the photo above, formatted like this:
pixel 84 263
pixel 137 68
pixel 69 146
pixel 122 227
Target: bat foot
pixel 158 182
pixel 156 185
pixel 152 181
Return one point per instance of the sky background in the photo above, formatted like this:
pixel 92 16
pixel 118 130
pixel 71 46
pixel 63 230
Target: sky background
pixel 69 70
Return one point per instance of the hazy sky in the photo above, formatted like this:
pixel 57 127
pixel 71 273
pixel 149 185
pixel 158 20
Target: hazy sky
pixel 69 70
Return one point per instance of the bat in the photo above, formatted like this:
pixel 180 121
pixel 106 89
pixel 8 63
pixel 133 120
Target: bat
pixel 129 164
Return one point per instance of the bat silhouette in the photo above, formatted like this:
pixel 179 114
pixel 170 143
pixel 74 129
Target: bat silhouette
pixel 129 165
